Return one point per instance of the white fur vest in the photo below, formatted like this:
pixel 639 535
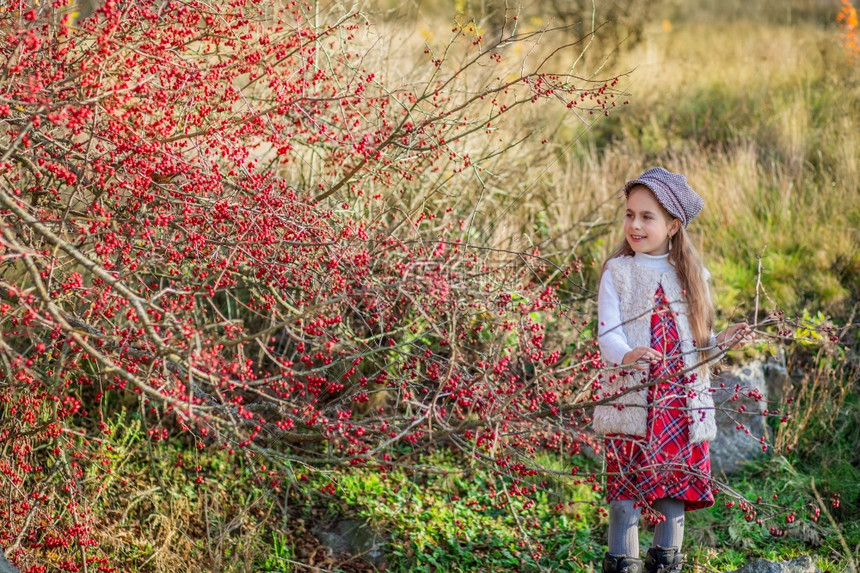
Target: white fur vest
pixel 636 286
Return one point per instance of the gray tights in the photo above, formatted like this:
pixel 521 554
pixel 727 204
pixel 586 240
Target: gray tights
pixel 624 526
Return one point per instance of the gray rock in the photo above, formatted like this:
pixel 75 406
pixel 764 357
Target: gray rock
pixel 803 564
pixel 740 402
pixel 776 377
pixel 356 538
pixel 5 566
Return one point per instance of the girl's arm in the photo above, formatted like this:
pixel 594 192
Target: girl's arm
pixel 610 336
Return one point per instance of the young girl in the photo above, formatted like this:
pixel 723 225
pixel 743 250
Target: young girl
pixel 655 319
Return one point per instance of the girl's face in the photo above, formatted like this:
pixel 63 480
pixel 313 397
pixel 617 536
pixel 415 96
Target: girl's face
pixel 647 225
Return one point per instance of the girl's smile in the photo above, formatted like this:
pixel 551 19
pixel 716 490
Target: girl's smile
pixel 647 225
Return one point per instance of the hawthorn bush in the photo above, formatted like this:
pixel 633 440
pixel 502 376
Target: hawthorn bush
pixel 219 212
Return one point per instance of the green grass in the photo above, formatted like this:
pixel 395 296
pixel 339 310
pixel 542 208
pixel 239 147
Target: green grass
pixel 722 539
pixel 457 517
pixel 444 511
pixel 460 517
pixel 281 557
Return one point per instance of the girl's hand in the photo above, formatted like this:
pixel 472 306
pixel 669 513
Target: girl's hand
pixel 736 336
pixel 642 357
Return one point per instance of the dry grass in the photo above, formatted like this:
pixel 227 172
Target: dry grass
pixel 762 120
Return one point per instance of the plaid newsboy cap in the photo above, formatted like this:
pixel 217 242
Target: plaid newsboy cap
pixel 672 191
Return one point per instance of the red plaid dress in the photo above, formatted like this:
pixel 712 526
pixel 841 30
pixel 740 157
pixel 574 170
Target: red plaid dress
pixel 663 464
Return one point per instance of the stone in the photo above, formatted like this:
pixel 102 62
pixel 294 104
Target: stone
pixel 803 564
pixel 744 388
pixel 356 538
pixel 5 566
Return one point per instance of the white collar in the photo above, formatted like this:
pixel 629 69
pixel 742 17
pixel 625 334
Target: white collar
pixel 654 262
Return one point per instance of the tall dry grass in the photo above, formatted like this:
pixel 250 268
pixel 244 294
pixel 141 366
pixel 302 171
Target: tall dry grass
pixel 771 143
pixel 760 114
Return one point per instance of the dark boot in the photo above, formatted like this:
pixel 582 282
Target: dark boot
pixel 621 564
pixel 663 560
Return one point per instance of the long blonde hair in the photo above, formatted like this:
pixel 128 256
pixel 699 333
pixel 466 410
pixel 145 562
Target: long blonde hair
pixel 691 274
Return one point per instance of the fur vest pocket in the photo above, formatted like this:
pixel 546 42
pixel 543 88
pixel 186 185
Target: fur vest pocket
pixel 628 414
